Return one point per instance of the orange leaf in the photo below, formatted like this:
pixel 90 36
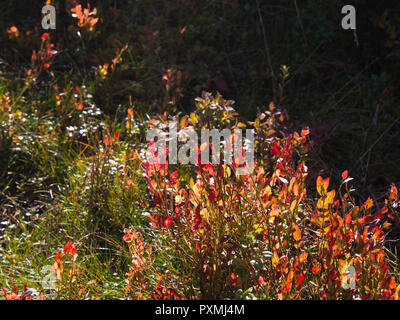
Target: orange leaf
pixel 271 106
pixel 368 204
pixel 305 131
pixel 183 30
pixel 296 232
pixel 347 219
pixel 275 211
pixel 107 140
pixel 393 193
pixel 81 291
pixel 296 189
pixel 303 256
pixel 392 283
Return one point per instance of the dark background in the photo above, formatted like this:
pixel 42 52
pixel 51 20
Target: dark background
pixel 347 93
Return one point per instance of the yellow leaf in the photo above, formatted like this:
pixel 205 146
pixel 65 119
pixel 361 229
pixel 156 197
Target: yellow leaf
pixel 184 122
pixel 227 171
pixel 275 259
pixel 322 185
pixel 320 203
pixel 323 203
pixel 396 297
pixel 193 118
pixel 204 214
pixel 293 205
pixel 330 196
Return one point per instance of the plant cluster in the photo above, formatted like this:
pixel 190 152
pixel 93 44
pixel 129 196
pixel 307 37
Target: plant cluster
pixel 80 200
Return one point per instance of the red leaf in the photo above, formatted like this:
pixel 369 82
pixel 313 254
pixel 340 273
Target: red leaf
pixel 315 269
pixel 168 222
pixel 300 279
pixel 275 149
pixel 45 36
pixel 173 176
pixel 128 235
pixel 70 250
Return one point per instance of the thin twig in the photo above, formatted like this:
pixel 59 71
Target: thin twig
pixel 267 49
pixel 300 22
pixel 376 141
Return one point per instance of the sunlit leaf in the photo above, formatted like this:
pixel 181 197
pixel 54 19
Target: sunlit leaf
pixel 322 185
pixel 296 232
